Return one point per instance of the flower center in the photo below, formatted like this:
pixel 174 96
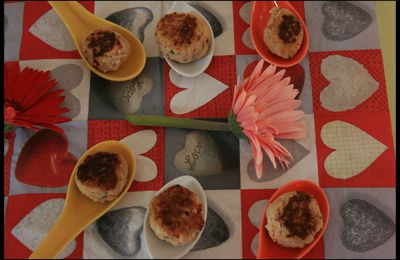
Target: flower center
pixel 9 112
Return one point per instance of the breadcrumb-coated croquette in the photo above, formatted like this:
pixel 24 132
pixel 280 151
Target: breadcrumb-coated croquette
pixel 176 215
pixel 294 219
pixel 284 33
pixel 106 50
pixel 102 176
pixel 183 37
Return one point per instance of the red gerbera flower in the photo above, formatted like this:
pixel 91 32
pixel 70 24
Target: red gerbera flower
pixel 28 101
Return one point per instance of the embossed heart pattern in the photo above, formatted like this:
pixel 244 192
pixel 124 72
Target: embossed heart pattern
pixel 355 149
pixel 365 226
pixel 45 153
pixel 350 83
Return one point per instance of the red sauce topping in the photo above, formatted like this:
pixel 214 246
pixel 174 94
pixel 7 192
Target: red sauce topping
pixel 297 216
pixel 102 41
pixel 178 211
pixel 289 28
pixel 99 169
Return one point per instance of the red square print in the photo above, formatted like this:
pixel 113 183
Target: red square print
pixel 371 60
pixel 18 207
pixel 34 48
pixel 240 26
pixel 249 231
pixel 299 6
pixel 102 130
pixel 222 68
pixel 381 172
pixel 7 161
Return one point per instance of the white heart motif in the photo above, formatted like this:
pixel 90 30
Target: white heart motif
pixel 32 229
pixel 355 149
pixel 50 29
pixel 199 91
pixel 351 84
pixel 141 142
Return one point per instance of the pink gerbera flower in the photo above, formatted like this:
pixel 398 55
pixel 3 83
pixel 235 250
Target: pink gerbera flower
pixel 28 101
pixel 263 110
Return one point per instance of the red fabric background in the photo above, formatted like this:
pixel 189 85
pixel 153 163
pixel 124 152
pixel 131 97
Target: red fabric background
pixel 32 48
pixel 18 207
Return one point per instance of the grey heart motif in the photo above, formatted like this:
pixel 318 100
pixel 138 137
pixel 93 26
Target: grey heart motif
pixel 245 12
pixel 343 20
pixel 127 96
pixel 215 231
pixel 50 29
pixel 200 156
pixel 246 39
pixel 134 19
pixel 213 21
pixel 365 226
pixel 270 173
pixel 254 243
pixel 256 212
pixel 121 229
pixel 68 77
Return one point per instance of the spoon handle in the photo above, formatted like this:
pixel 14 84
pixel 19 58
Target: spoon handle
pixel 72 14
pixel 63 231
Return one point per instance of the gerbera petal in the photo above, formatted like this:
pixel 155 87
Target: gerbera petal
pixel 256 73
pixel 256 151
pixel 269 153
pixel 264 106
pixel 239 101
pixel 285 116
pixel 28 93
pixel 281 106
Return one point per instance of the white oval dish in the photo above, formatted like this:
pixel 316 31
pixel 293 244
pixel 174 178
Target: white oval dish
pixel 196 67
pixel 160 249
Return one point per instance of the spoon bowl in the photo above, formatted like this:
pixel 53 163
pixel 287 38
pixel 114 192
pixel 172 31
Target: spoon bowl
pixel 267 248
pixel 160 249
pixel 79 211
pixel 258 21
pixel 198 66
pixel 81 22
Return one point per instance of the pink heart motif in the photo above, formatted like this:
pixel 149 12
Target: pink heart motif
pixel 44 160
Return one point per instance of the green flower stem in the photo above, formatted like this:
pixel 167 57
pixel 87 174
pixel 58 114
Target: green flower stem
pixel 166 121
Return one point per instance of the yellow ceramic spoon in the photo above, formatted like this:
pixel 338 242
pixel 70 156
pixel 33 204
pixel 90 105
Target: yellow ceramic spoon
pixel 79 211
pixel 81 22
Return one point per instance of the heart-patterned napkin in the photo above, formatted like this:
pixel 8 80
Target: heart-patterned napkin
pixel 33 228
pixel 198 91
pixel 45 161
pixel 354 152
pixel 350 83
